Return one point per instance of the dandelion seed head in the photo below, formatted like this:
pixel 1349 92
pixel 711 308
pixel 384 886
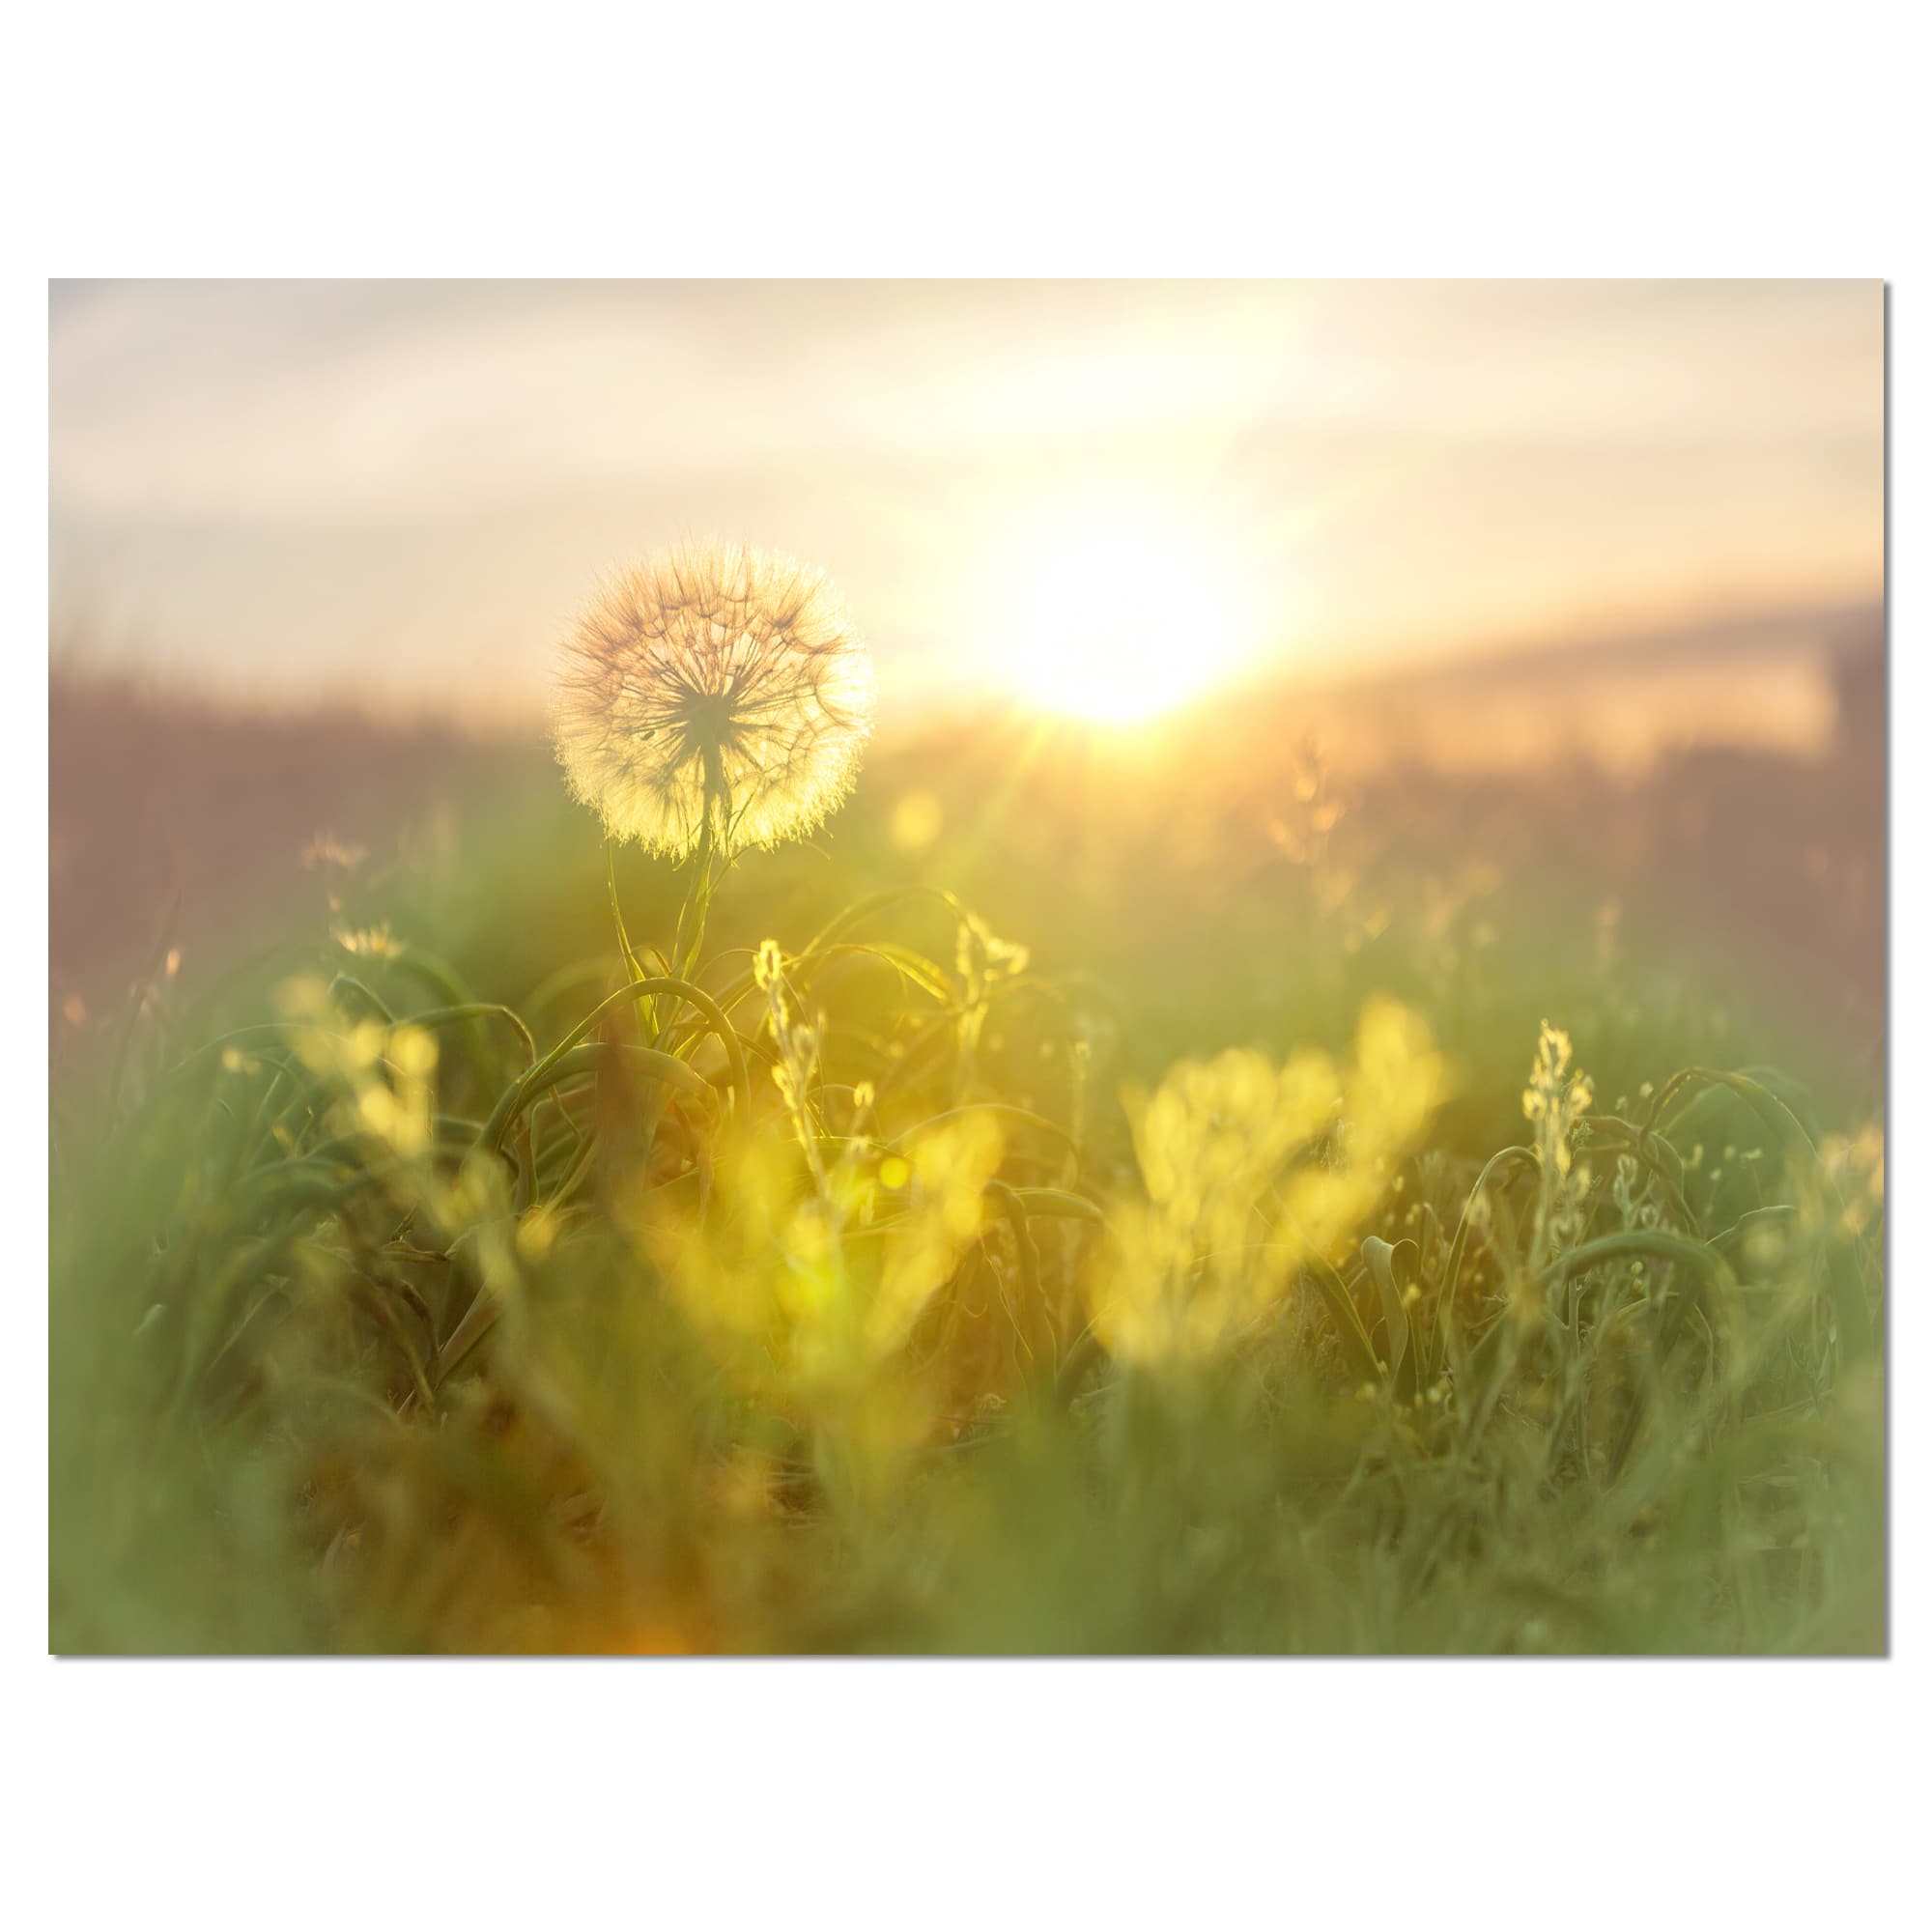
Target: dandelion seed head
pixel 713 689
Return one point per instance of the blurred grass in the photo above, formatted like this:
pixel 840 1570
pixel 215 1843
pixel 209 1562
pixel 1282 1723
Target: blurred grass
pixel 278 1422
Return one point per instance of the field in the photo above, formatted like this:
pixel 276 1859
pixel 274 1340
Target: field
pixel 1238 1188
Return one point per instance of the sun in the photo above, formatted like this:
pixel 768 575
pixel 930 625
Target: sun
pixel 1116 627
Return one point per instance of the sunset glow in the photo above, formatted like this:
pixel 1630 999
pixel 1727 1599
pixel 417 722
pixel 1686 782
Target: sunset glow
pixel 1119 627
pixel 1049 491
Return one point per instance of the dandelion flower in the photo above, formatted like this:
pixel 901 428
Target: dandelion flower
pixel 713 694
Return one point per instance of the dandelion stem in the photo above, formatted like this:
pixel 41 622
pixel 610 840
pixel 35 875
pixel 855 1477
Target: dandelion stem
pixel 709 862
pixel 636 972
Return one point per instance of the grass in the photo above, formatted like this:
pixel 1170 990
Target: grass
pixel 1054 1217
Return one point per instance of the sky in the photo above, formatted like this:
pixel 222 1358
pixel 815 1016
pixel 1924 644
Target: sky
pixel 401 492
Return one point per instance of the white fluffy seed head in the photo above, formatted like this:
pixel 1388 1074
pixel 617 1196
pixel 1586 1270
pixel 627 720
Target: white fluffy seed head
pixel 713 687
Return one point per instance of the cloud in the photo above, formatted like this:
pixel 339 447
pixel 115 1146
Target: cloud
pixel 273 482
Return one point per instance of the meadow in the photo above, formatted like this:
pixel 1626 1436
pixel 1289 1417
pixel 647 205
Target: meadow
pixel 1161 1191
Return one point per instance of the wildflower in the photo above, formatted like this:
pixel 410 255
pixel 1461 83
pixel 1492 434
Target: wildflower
pixel 1554 1103
pixel 772 1271
pixel 369 941
pixel 951 1167
pixel 381 1079
pixel 713 695
pixel 325 852
pixel 1247 1166
pixel 1557 1099
pixel 1854 1166
pixel 982 961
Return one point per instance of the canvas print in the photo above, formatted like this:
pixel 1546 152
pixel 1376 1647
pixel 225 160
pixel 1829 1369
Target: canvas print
pixel 964 967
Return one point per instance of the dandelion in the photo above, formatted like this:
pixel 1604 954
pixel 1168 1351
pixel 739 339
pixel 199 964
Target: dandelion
pixel 713 698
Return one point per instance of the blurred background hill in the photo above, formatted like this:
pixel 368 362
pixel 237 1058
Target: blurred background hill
pixel 1724 786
